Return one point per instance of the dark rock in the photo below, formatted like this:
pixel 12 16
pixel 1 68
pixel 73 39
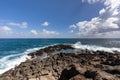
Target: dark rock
pixel 83 65
pixel 115 71
pixel 67 74
pixel 90 74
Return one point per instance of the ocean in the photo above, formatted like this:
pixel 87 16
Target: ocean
pixel 14 51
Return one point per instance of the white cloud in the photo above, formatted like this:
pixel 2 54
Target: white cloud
pixel 5 30
pixel 73 26
pixel 8 31
pixel 43 34
pixel 107 21
pixel 45 23
pixel 34 32
pixel 102 11
pixel 21 25
pixel 92 1
pixel 49 33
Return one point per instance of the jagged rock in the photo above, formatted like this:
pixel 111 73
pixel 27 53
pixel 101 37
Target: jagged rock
pixel 67 66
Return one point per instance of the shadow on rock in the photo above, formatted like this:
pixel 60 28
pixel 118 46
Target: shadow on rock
pixel 113 71
pixel 90 74
pixel 67 74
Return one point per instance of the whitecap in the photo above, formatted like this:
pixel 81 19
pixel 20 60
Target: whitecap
pixel 78 45
pixel 9 62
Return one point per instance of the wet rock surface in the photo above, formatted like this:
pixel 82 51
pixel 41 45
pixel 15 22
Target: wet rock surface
pixel 67 66
pixel 50 50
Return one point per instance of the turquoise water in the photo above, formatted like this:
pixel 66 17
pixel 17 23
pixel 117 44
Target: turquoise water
pixel 14 46
pixel 13 51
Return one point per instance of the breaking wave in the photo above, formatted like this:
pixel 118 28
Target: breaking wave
pixel 78 45
pixel 11 61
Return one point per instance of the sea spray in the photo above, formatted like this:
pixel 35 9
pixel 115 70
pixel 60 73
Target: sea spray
pixel 79 45
pixel 8 62
pixel 11 61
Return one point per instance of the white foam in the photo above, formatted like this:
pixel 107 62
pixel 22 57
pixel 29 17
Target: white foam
pixel 6 63
pixel 78 45
pixel 43 56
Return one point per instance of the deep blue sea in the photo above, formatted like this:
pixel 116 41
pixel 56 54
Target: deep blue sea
pixel 13 51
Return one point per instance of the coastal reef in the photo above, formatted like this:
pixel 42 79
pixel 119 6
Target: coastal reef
pixel 64 62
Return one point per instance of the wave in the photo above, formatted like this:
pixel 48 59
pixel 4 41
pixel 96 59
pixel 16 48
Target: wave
pixel 10 61
pixel 78 45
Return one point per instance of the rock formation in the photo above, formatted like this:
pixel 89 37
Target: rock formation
pixel 99 65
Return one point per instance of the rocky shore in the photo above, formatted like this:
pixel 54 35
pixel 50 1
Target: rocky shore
pixel 63 62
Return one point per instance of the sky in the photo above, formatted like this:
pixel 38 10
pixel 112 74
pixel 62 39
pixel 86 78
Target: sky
pixel 59 18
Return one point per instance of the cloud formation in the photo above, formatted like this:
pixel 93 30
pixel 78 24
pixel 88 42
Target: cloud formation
pixel 45 24
pixel 5 30
pixel 92 1
pixel 44 33
pixel 107 21
pixel 72 27
pixel 49 33
pixel 21 25
pixel 34 32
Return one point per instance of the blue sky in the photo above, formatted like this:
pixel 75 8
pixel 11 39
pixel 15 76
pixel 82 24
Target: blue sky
pixel 59 18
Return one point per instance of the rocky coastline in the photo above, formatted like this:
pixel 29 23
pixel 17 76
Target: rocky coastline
pixel 64 62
